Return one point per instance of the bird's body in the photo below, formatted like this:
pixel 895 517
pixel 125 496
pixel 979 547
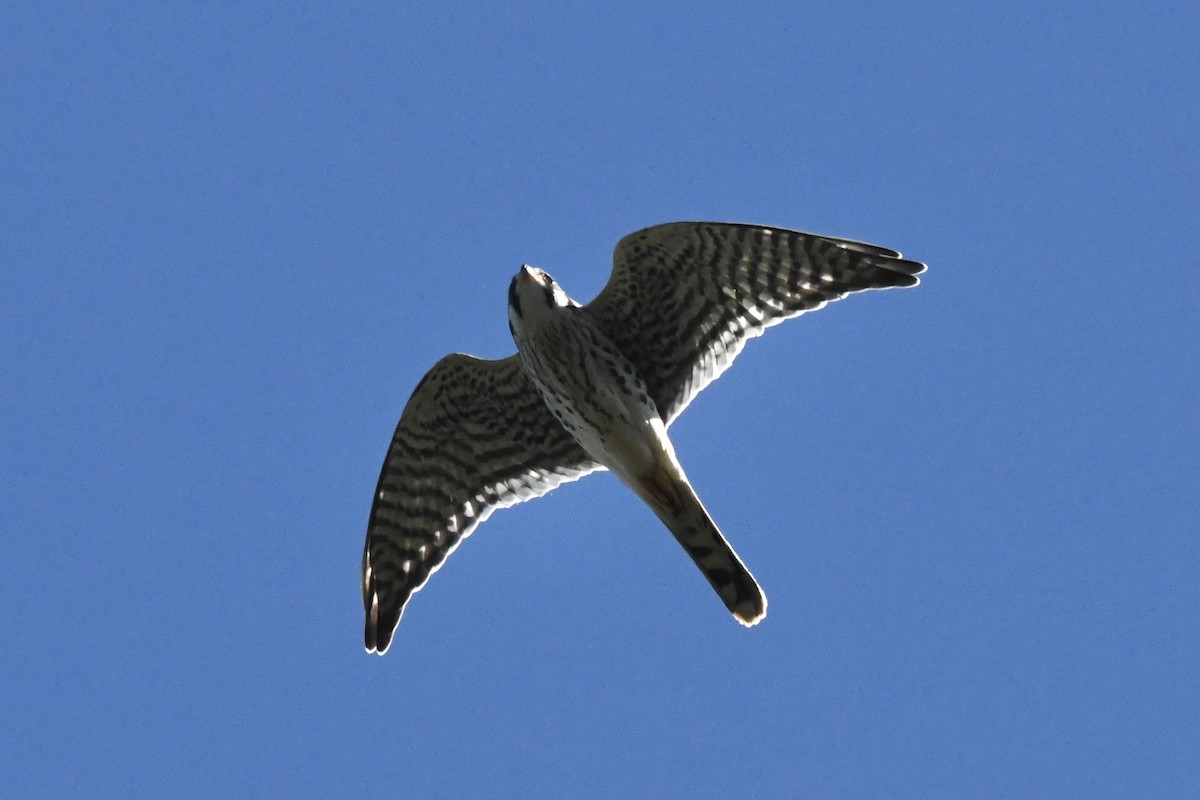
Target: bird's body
pixel 597 395
pixel 596 387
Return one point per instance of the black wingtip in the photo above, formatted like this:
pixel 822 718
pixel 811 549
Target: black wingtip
pixel 381 622
pixel 379 629
pixel 893 269
pixel 910 268
pixel 904 273
pixel 899 273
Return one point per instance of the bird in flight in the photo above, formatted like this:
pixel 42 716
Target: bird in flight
pixel 595 387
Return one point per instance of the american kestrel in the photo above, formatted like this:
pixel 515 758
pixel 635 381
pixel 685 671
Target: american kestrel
pixel 596 387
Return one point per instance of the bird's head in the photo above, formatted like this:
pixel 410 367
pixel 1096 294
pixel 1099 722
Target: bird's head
pixel 533 297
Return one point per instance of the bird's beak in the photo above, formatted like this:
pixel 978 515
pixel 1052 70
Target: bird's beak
pixel 526 274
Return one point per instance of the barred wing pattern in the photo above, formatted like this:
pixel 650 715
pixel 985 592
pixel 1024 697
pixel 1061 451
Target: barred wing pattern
pixel 684 297
pixel 475 436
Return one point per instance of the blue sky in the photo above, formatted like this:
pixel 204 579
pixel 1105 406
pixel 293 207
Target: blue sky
pixel 234 239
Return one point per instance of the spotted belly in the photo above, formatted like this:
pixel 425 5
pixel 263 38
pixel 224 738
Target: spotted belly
pixel 596 394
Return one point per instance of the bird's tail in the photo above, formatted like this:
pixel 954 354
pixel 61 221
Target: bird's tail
pixel 676 504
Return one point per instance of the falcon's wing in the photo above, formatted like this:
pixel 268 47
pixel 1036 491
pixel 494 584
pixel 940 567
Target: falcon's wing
pixel 475 436
pixel 684 297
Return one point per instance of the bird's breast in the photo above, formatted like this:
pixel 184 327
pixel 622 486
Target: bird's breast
pixel 595 393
